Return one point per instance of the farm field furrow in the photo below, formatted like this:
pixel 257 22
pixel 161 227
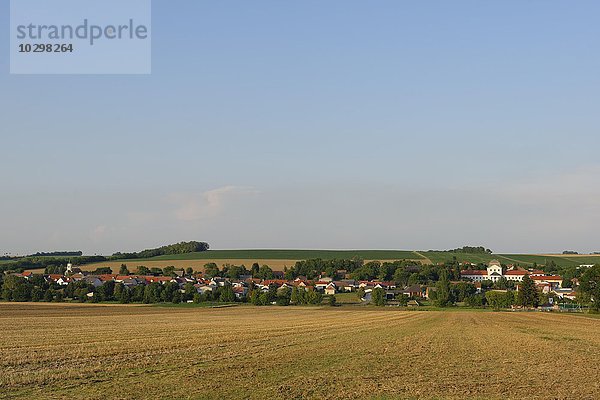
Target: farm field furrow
pixel 96 352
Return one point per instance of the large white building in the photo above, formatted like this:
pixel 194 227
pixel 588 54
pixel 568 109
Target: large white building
pixel 494 273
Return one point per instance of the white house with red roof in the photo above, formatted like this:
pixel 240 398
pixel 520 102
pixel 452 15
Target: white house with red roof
pixel 492 273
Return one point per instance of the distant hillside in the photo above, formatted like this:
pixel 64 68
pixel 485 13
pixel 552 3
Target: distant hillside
pixel 265 254
pixel 381 255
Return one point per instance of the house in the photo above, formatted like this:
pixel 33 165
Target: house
pixel 492 273
pixel 515 275
pixel 158 279
pixel 240 291
pixel 570 295
pixel 585 266
pixel 77 277
pixel 25 275
pixel 345 285
pixel 365 284
pixel 216 281
pixel 62 281
pixel 129 282
pixel 565 293
pixel 300 284
pixel 330 289
pixel 204 288
pixel 413 291
pixel 276 282
pixel 93 280
pixel 474 275
pixel 554 281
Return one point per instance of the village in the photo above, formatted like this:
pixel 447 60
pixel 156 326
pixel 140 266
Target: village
pixel 476 285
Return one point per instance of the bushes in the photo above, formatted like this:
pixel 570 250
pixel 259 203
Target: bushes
pixel 498 300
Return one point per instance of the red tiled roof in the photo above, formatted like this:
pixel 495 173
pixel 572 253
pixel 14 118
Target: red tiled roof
pixel 547 278
pixel 516 272
pixel 473 272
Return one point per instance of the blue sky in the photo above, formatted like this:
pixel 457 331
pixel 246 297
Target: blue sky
pixel 310 124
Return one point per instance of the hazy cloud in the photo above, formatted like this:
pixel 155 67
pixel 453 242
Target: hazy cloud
pixel 193 207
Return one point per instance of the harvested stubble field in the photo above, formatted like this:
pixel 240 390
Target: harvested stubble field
pixel 134 352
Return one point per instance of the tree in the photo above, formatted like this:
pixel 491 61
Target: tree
pixel 474 300
pixel 123 270
pixel 211 270
pixel 378 297
pixel 198 298
pixel 16 288
pixel 314 297
pixel 142 270
pixel 402 300
pixel 442 288
pixel 288 274
pixel 265 273
pixel 255 298
pixel 332 301
pixel 294 299
pixel 254 269
pixel 360 292
pixel 190 291
pixel 283 296
pixel 103 271
pixel 227 295
pixel 176 299
pixel 48 296
pixel 589 285
pixel 263 299
pixel 118 291
pixel 105 292
pixel 528 295
pixel 498 299
pixel 59 297
pixel 189 271
pixel 125 297
pixel 272 293
pixel 37 294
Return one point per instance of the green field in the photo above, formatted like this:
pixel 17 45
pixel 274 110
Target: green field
pixel 529 259
pixel 520 259
pixel 441 256
pixel 289 255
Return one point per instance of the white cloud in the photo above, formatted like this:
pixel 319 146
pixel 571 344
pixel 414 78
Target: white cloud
pixel 193 207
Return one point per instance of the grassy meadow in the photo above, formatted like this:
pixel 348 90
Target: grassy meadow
pixel 51 351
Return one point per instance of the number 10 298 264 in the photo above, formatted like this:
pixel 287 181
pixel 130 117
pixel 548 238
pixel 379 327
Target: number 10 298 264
pixel 45 48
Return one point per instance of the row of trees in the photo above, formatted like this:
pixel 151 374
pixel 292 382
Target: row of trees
pixel 178 248
pixel 469 250
pixel 236 271
pixel 402 272
pixel 447 295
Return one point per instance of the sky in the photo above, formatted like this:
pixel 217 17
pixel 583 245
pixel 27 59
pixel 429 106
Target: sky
pixel 333 125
